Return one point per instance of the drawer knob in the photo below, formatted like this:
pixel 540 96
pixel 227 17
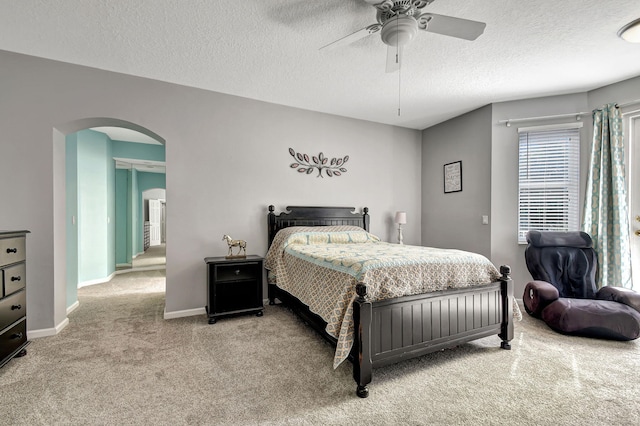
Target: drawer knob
pixel 237 271
pixel 17 336
pixel 12 250
pixel 15 278
pixel 15 307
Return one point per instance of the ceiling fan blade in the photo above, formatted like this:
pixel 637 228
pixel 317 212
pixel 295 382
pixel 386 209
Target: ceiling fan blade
pixel 364 32
pixel 450 26
pixel 394 58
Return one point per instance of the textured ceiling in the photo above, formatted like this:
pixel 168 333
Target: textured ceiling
pixel 268 50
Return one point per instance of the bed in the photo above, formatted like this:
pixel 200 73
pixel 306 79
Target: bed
pixel 369 324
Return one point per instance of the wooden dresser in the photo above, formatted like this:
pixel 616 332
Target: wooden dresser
pixel 13 295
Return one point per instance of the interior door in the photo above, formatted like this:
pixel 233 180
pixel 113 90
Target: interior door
pixel 155 217
pixel 634 193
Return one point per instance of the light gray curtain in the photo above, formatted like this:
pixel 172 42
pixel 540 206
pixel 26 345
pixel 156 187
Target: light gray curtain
pixel 606 216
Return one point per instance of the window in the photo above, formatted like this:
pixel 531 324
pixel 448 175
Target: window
pixel 549 176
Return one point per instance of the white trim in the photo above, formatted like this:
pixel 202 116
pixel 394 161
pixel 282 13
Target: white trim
pixel 185 313
pixel 97 281
pixel 46 332
pixel 551 127
pixel 73 307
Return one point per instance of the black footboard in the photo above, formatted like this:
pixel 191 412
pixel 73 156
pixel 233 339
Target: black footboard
pixel 390 331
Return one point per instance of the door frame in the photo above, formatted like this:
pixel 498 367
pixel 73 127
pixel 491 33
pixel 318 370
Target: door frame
pixel 632 154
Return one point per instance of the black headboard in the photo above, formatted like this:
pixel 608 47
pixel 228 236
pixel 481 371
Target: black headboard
pixel 315 216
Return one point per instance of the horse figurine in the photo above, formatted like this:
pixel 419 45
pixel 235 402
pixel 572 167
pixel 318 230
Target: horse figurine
pixel 241 244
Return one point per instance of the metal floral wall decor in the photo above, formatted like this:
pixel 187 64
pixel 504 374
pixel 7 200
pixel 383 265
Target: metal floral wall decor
pixel 330 167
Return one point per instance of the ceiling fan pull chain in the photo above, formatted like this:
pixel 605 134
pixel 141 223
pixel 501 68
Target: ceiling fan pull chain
pixel 399 66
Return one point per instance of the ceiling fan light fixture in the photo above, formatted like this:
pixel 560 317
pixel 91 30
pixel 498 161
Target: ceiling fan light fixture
pixel 630 32
pixel 399 31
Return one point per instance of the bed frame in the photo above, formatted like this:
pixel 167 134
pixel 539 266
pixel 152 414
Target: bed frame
pixel 393 330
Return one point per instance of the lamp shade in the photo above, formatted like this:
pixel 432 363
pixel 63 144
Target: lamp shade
pixel 401 218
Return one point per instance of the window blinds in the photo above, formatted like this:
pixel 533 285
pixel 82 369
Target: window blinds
pixel 549 180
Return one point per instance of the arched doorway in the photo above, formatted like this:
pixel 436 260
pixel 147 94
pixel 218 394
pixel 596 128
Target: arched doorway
pixel 69 217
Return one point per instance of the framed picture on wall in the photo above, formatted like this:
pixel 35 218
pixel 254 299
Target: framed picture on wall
pixel 453 177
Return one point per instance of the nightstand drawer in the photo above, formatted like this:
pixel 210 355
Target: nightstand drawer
pixel 14 279
pixel 237 272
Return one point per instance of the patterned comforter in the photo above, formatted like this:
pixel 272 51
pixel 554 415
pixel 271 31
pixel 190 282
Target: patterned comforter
pixel 322 266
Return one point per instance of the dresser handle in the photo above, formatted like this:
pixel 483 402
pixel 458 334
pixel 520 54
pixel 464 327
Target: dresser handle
pixel 16 336
pixel 12 250
pixel 15 278
pixel 15 307
pixel 237 271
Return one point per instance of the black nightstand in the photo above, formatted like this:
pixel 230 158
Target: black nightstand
pixel 234 286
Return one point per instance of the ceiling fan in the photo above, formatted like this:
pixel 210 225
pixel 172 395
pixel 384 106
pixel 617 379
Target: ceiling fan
pixel 398 21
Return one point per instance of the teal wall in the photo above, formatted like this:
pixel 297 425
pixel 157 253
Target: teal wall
pixel 121 201
pixel 134 221
pixel 106 204
pixel 96 189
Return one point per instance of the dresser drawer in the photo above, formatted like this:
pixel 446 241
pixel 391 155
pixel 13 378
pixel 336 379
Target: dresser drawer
pixel 238 272
pixel 12 339
pixel 12 308
pixel 14 278
pixel 12 250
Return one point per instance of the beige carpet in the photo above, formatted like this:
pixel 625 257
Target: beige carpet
pixel 153 256
pixel 120 363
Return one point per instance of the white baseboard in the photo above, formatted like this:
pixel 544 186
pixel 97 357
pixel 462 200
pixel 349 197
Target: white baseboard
pixel 97 281
pixel 46 332
pixel 73 307
pixel 185 313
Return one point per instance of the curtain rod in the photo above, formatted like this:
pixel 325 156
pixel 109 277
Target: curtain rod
pixel 577 115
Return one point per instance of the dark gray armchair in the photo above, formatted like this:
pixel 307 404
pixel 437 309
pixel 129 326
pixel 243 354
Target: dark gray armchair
pixel 564 294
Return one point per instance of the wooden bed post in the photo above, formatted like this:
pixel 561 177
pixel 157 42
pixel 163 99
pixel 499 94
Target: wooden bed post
pixel 271 224
pixel 362 364
pixel 365 219
pixel 271 233
pixel 506 330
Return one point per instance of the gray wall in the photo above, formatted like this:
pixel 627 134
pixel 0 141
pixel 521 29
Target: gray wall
pixel 227 160
pixel 505 249
pixel 454 220
pixel 489 153
pixel 485 144
pixel 621 93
